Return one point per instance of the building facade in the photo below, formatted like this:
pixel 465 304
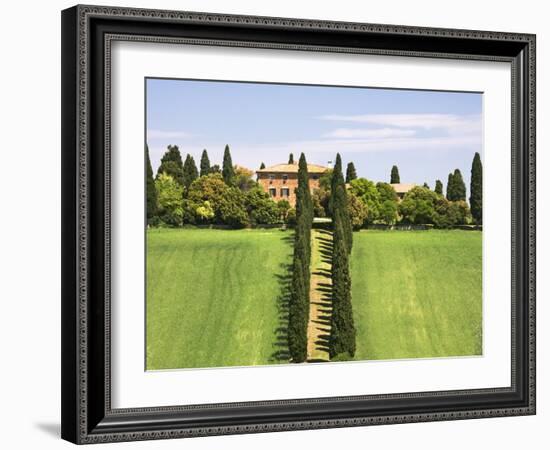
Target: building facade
pixel 281 180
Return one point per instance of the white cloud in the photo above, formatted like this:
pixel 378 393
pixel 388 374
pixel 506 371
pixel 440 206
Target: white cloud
pixel 379 133
pixel 452 123
pixel 164 134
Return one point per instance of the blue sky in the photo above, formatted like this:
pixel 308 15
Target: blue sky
pixel 427 134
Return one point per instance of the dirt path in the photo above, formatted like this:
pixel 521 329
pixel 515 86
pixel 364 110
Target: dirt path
pixel 318 329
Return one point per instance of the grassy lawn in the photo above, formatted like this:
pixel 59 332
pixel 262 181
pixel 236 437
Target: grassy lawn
pixel 416 293
pixel 213 297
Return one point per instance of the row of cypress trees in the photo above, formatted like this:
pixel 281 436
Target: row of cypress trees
pixel 299 298
pixel 342 333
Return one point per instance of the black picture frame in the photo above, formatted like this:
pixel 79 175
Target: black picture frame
pixel 87 416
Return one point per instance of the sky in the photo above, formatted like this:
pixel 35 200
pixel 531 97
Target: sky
pixel 427 134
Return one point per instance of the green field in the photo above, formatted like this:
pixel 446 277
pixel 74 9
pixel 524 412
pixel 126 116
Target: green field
pixel 216 297
pixel 417 293
pixel 213 297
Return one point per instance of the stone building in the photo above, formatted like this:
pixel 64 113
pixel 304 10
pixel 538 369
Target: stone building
pixel 281 180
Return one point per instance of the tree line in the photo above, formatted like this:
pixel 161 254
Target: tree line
pixel 181 193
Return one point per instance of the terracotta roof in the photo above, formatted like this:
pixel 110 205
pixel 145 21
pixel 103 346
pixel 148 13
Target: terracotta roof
pixel 292 168
pixel 402 188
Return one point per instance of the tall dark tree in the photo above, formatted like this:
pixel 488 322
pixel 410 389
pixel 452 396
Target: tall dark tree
pixel 450 187
pixel 459 186
pixel 262 166
pixel 299 300
pixel 426 185
pixel 351 173
pixel 338 180
pixel 394 177
pixel 228 171
pixel 205 163
pixel 438 187
pixel 171 164
pixel 476 189
pixel 291 159
pixel 151 188
pixel 342 333
pixel 190 172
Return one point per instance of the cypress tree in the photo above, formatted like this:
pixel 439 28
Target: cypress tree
pixel 338 180
pixel 151 188
pixel 228 171
pixel 171 164
pixel 476 189
pixel 205 163
pixel 190 172
pixel 394 177
pixel 438 187
pixel 450 187
pixel 291 159
pixel 351 174
pixel 426 185
pixel 299 300
pixel 342 332
pixel 262 166
pixel 459 186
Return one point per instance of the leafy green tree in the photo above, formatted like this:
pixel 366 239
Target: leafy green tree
pixel 261 209
pixel 228 172
pixel 171 164
pixel 476 189
pixel 351 173
pixel 231 209
pixel 151 189
pixel 243 179
pixel 291 159
pixel 449 214
pixel 358 211
pixel 367 191
pixel 386 192
pixel 283 206
pixel 170 206
pixel 215 169
pixel 190 172
pixel 418 206
pixel 388 212
pixel 394 177
pixel 438 187
pixel 205 163
pixel 426 185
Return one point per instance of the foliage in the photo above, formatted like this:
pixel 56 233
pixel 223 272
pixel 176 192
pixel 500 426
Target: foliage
pixel 215 169
pixel 426 185
pixel 319 199
pixel 291 217
pixel 338 202
pixel 449 214
pixel 298 314
pixel 228 172
pixel 170 208
pixel 243 178
pixel 456 189
pixel 283 206
pixel 205 164
pixel 358 211
pixel 260 208
pixel 291 159
pixel 476 189
pixel 387 212
pixel 418 206
pixel 262 166
pixel 226 202
pixel 190 172
pixel 394 177
pixel 438 187
pixel 386 192
pixel 351 173
pixel 171 164
pixel 151 189
pixel 367 191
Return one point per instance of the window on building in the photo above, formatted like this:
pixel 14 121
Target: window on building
pixel 315 177
pixel 285 178
pixel 271 178
pixel 272 192
pixel 285 192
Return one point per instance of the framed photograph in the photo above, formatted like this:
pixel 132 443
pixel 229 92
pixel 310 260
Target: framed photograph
pixel 278 224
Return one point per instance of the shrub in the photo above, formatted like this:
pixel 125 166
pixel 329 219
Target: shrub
pixel 358 211
pixel 170 205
